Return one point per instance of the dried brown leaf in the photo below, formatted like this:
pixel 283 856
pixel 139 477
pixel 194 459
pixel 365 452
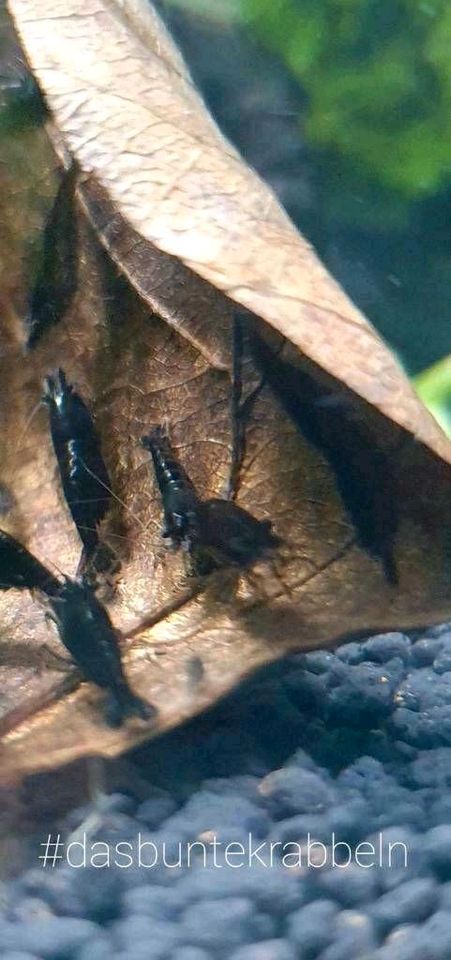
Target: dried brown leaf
pixel 309 439
pixel 127 110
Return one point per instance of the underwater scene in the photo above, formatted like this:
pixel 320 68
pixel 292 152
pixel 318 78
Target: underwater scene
pixel 225 476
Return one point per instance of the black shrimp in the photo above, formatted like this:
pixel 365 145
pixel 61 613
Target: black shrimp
pixel 84 476
pixel 214 532
pixel 83 625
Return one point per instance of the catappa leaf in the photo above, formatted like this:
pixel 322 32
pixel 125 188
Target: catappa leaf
pixel 127 110
pixel 337 443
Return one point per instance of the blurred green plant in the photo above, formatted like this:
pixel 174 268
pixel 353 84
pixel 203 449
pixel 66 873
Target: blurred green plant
pixel 378 77
pixel 434 387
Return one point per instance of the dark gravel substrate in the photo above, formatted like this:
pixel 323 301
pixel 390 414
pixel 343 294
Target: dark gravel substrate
pixel 355 744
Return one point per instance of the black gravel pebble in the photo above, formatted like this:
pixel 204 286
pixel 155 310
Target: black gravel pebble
pixel 331 787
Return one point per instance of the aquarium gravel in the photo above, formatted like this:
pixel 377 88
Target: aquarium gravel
pixel 341 760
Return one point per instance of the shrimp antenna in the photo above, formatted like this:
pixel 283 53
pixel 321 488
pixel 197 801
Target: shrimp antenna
pixel 143 525
pixel 28 423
